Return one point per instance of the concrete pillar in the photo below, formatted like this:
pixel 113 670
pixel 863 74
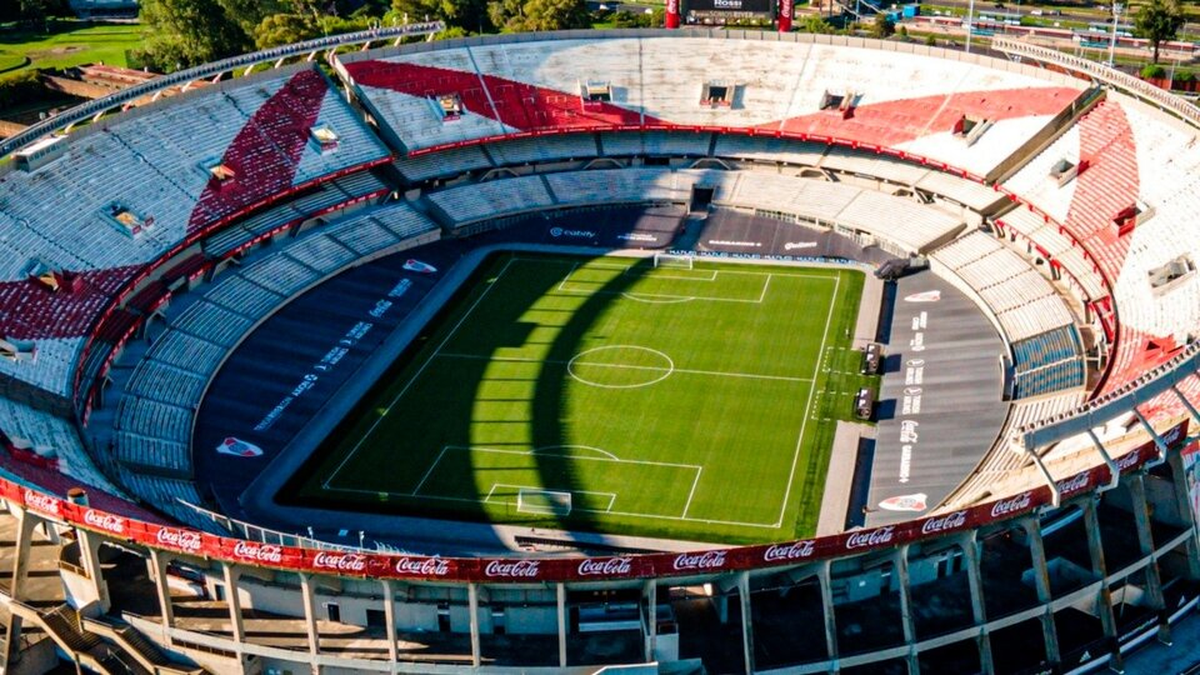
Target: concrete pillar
pixel 26 523
pixel 721 604
pixel 1108 621
pixel 389 618
pixel 561 596
pixel 900 565
pixel 1041 576
pixel 743 584
pixel 1183 503
pixel 235 602
pixel 650 599
pixel 970 550
pixel 1141 518
pixel 89 557
pixel 473 610
pixel 158 571
pixel 310 614
pixel 12 641
pixel 826 585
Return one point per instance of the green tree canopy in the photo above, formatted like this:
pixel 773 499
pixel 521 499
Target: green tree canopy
pixel 1158 21
pixel 883 27
pixel 538 15
pixel 814 23
pixel 189 32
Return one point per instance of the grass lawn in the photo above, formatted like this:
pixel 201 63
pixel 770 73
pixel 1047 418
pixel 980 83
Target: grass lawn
pixel 605 394
pixel 69 44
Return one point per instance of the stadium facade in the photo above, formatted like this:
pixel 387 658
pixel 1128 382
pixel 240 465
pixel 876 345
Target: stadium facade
pixel 145 247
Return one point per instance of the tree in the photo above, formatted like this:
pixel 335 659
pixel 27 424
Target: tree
pixel 1158 21
pixel 815 23
pixel 35 12
pixel 470 15
pixel 283 29
pixel 189 32
pixel 539 15
pixel 883 27
pixel 248 14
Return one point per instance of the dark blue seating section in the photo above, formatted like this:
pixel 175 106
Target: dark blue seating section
pixel 1047 363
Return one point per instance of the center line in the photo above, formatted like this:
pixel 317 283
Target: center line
pixel 691 371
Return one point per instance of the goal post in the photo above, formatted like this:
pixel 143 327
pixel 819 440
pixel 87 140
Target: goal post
pixel 543 502
pixel 683 261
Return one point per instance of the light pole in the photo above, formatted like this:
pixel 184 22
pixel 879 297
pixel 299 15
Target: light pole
pixel 1112 42
pixel 970 24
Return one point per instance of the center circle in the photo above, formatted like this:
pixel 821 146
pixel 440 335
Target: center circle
pixel 620 367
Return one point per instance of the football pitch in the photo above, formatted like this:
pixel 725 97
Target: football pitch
pixel 607 394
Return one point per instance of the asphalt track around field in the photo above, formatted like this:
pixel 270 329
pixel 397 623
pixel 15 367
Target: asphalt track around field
pixel 940 407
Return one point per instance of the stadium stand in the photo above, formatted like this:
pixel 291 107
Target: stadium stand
pixel 143 188
pixel 1022 301
pixel 892 98
pixel 155 415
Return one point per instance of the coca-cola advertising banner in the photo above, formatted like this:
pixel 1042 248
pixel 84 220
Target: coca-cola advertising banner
pixel 608 568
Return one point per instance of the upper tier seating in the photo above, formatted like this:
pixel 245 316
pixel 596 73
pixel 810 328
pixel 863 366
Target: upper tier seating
pixel 899 100
pixel 1128 213
pixel 132 187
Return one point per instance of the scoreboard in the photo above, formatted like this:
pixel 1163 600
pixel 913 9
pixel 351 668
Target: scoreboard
pixel 729 9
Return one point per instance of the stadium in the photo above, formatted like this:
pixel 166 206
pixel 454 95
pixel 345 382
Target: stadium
pixel 660 350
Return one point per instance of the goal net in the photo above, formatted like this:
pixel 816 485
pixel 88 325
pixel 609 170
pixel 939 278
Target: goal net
pixel 543 502
pixel 682 261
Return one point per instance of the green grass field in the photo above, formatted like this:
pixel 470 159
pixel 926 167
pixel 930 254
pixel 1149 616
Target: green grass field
pixel 664 401
pixel 69 44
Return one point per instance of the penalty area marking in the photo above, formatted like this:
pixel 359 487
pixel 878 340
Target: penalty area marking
pixel 662 298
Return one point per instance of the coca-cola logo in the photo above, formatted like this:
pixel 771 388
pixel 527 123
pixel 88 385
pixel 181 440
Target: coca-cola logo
pixel 184 540
pixel 877 537
pixel 590 567
pixel 672 6
pixel 425 567
pixel 700 561
pixel 1013 505
pixel 1128 461
pixel 104 521
pixel 512 569
pixel 342 562
pixel 1074 484
pixel 950 521
pixel 793 551
pixel 264 553
pixel 785 9
pixel 44 503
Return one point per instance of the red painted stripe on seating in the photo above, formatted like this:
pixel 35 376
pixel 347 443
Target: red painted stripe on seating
pixel 266 152
pixel 29 310
pixel 516 104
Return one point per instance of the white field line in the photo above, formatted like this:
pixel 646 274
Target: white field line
pixel 695 482
pixel 416 376
pixel 612 496
pixel 808 406
pixel 689 371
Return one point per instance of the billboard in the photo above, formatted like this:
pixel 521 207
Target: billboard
pixel 728 9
